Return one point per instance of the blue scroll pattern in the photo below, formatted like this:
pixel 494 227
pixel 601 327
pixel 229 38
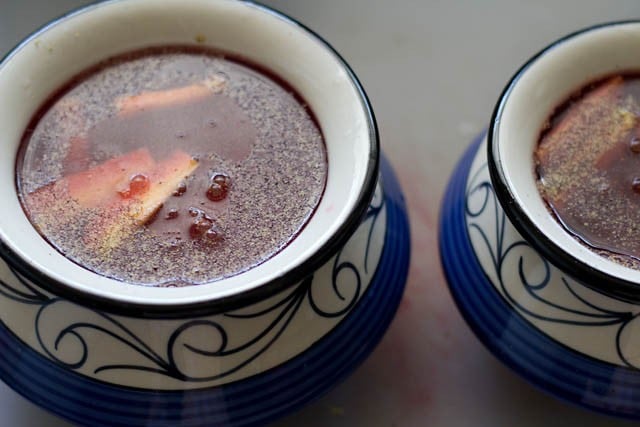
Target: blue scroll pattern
pixel 546 297
pixel 349 270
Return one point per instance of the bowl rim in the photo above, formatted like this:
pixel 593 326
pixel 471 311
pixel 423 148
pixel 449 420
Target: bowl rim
pixel 246 297
pixel 594 278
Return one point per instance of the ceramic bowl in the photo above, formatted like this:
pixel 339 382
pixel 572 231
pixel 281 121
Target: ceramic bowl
pixel 244 350
pixel 562 316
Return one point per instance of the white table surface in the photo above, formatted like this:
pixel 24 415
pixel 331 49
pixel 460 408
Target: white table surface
pixel 433 70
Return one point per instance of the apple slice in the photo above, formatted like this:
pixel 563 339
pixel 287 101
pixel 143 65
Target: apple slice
pixel 60 201
pixel 137 205
pixel 99 185
pixel 165 98
pixel 163 182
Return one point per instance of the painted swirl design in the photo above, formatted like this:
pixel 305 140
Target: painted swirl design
pixel 552 301
pixel 330 293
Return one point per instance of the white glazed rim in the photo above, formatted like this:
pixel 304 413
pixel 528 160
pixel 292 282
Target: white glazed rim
pixel 271 40
pixel 542 84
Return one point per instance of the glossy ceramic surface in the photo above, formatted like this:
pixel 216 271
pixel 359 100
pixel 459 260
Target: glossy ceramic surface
pixel 95 357
pixel 244 350
pixel 542 84
pixel 56 53
pixel 430 369
pixel 558 313
pixel 571 341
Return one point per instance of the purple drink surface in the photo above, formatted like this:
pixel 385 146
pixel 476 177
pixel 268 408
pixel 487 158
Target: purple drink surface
pixel 172 166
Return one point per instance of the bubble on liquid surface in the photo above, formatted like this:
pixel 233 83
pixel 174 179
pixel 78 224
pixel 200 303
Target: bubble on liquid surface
pixel 138 184
pixel 172 213
pixel 219 187
pixel 213 234
pixel 199 226
pixel 181 189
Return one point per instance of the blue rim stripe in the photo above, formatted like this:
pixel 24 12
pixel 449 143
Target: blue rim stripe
pixel 253 401
pixel 544 362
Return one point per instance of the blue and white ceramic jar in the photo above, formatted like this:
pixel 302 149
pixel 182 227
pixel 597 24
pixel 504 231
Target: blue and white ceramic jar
pixel 244 350
pixel 559 314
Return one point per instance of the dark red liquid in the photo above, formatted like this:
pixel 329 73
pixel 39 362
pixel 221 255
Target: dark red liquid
pixel 588 162
pixel 171 166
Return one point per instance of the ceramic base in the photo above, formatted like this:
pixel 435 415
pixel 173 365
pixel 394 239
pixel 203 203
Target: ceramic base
pixel 253 401
pixel 570 341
